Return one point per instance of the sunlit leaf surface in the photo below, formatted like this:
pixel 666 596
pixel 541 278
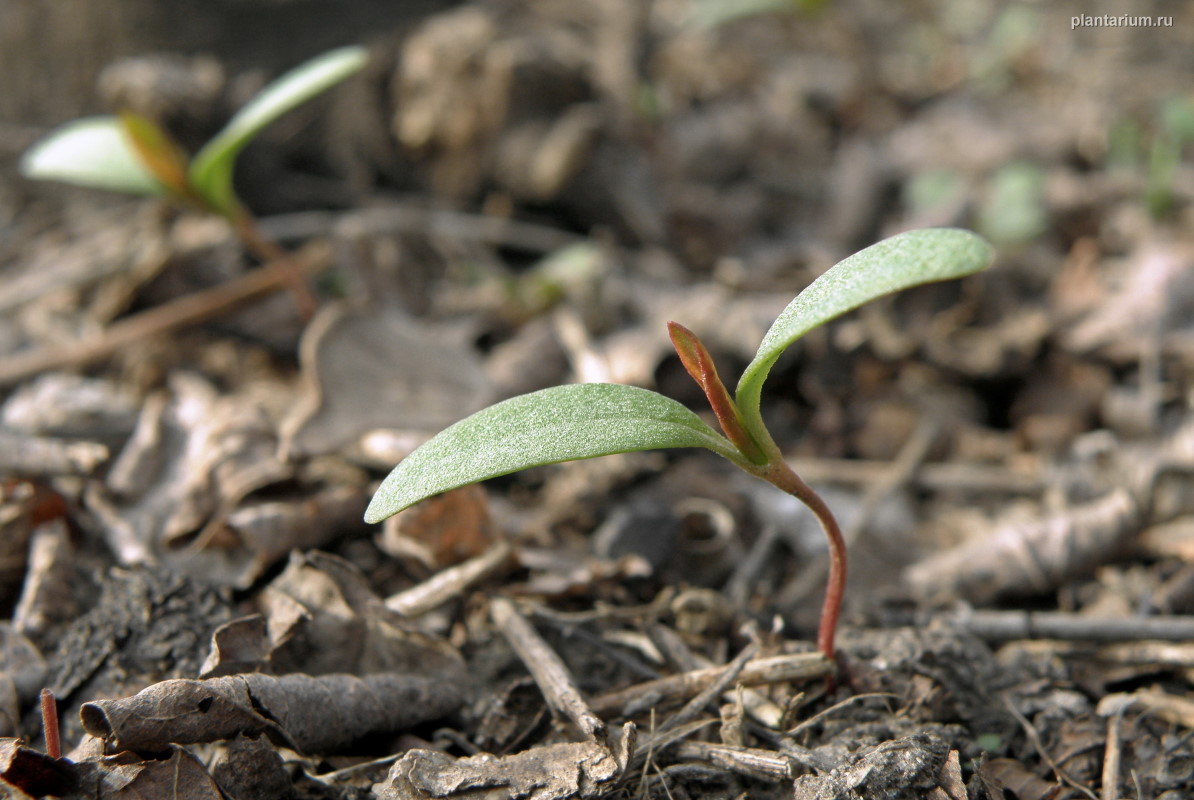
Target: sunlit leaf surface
pixel 545 427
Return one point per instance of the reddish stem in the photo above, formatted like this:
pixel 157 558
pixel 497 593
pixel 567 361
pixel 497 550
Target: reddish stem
pixel 762 458
pixel 282 263
pixel 781 475
pixel 49 724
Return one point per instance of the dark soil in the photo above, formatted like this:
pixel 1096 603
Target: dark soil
pixel 515 195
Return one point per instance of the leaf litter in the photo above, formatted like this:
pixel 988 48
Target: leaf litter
pixel 568 178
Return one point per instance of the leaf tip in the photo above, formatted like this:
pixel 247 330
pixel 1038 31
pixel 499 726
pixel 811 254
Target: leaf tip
pixel 689 348
pixel 374 514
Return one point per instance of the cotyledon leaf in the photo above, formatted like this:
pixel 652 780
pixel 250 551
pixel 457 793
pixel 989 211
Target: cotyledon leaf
pixel 902 261
pixel 545 427
pixel 211 169
pixel 92 152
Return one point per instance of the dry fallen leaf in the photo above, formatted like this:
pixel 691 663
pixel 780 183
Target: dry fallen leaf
pixel 305 713
pixel 580 770
pixel 441 531
pixel 194 456
pixel 899 769
pixel 24 772
pixel 378 369
pixel 236 549
pixel 126 776
pixel 1032 556
pixel 324 618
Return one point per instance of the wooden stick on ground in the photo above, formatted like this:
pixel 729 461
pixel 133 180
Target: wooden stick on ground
pixel 180 313
pixel 1001 626
pixel 546 667
pixel 756 703
pixel 449 583
pixel 1112 756
pixel 775 669
pixel 697 705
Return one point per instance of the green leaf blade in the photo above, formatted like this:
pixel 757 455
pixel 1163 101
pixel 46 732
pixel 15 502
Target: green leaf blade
pixel 211 169
pixel 561 423
pixel 900 262
pixel 92 152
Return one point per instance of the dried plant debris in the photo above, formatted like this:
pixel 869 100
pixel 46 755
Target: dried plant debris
pixel 38 456
pixel 535 189
pixel 444 530
pixel 450 583
pixel 1039 553
pixel 21 502
pixel 934 673
pixel 26 773
pixel 46 597
pixel 582 770
pixel 193 457
pixel 1004 776
pixel 901 769
pixel 239 645
pixel 146 624
pixel 126 776
pixel 251 767
pixel 526 123
pixel 173 772
pixel 644 698
pixel 379 369
pixel 305 713
pixel 72 407
pixel 1033 556
pixel 23 672
pixel 547 668
pixel 108 250
pixel 322 618
pixel 1154 297
pixel 238 549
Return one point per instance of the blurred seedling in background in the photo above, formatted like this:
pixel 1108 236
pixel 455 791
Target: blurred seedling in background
pixel 712 13
pixel 564 423
pixel 1159 149
pixel 133 154
pixel 1010 206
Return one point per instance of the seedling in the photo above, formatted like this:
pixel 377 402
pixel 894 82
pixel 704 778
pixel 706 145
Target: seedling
pixel 132 154
pixel 596 419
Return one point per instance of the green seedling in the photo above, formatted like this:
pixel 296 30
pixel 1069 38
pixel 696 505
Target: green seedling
pixel 132 154
pixel 1156 151
pixel 564 423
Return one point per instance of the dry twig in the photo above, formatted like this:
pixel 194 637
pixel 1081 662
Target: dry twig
pixel 749 761
pixel 171 316
pixel 1002 626
pixel 1112 756
pixel 37 456
pixel 775 669
pixel 548 670
pixel 449 583
pixel 693 708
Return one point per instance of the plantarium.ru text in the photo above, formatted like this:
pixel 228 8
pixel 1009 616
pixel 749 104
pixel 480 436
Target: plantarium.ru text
pixel 596 419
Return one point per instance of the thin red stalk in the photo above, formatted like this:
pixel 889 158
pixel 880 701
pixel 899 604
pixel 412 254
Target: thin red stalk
pixel 781 475
pixel 765 461
pixel 278 260
pixel 49 724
